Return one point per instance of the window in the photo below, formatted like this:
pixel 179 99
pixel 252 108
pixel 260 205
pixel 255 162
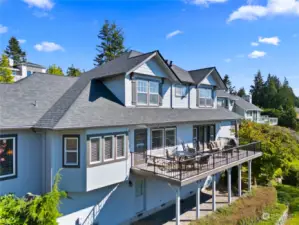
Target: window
pixel 157 138
pixel 14 73
pixel 180 91
pixel 170 137
pixel 108 148
pixel 8 167
pixel 142 91
pixel 147 92
pixel 154 93
pixel 29 73
pixel 249 113
pixel 95 150
pixel 212 132
pixel 71 150
pixel 205 97
pixel 120 146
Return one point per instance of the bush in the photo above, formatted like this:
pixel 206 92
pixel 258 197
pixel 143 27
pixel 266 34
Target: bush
pixel 293 220
pixel 284 197
pixel 275 212
pixel 294 205
pixel 246 210
pixel 292 178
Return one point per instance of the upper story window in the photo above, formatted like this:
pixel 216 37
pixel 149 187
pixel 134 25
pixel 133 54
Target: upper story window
pixel 180 91
pixel 205 97
pixel 161 137
pixel 147 92
pixel 8 151
pixel 71 150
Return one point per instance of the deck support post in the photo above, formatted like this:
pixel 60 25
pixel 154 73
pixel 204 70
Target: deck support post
pixel 214 192
pixel 249 175
pixel 178 206
pixel 240 180
pixel 198 190
pixel 229 185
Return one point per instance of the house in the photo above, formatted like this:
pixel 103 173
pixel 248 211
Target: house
pixel 132 137
pixel 22 70
pixel 243 107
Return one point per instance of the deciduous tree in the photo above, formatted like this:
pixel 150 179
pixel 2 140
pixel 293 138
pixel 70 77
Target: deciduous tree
pixel 5 73
pixel 55 70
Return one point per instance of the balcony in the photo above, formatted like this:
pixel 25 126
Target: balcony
pixel 183 167
pixel 273 121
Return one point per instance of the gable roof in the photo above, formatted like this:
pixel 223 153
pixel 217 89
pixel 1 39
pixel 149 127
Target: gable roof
pixel 24 102
pixel 199 75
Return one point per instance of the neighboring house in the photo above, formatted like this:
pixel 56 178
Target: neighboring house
pixel 120 132
pixel 297 112
pixel 243 107
pixel 25 69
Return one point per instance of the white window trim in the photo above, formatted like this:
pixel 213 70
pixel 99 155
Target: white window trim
pixel 14 158
pixel 100 150
pixel 163 138
pixel 137 92
pixel 175 139
pixel 205 98
pixel 65 151
pixel 181 87
pixel 125 144
pixel 149 93
pixel 113 148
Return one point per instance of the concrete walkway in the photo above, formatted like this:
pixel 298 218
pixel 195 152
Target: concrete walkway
pixel 188 210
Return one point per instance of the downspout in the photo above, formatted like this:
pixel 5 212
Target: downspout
pixel 171 96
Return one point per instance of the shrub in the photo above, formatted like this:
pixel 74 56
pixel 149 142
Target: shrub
pixel 284 197
pixel 275 212
pixel 246 210
pixel 293 220
pixel 294 205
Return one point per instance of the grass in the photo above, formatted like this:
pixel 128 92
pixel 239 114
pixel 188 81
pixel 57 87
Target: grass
pixel 275 212
pixel 244 211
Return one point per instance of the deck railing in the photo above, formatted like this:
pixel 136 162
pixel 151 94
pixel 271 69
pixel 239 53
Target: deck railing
pixel 181 168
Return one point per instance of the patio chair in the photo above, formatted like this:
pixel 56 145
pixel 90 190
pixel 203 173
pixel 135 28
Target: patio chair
pixel 183 146
pixel 188 162
pixel 203 160
pixel 170 162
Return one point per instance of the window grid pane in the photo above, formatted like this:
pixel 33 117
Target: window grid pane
pixel 142 86
pixel 7 152
pixel 71 157
pixel 120 142
pixel 72 144
pixel 154 98
pixel 154 87
pixel 108 147
pixel 95 154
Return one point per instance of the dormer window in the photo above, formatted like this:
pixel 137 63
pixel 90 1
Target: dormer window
pixel 205 97
pixel 180 91
pixel 147 92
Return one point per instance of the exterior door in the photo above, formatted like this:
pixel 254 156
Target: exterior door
pixel 139 195
pixel 202 143
pixel 140 146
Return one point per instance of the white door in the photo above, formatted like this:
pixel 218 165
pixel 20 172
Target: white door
pixel 140 195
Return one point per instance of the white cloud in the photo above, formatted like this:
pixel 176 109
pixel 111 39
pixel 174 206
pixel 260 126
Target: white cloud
pixel 42 4
pixel 48 47
pixel 3 29
pixel 273 7
pixel 21 41
pixel 228 60
pixel 174 33
pixel 270 40
pixel 256 54
pixel 254 44
pixel 204 2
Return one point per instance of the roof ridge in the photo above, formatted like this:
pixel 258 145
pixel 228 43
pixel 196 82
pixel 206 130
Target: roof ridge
pixel 212 67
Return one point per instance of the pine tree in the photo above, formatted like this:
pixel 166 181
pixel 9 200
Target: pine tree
pixel 112 43
pixel 73 72
pixel 257 89
pixel 228 83
pixel 14 51
pixel 241 92
pixel 55 70
pixel 5 73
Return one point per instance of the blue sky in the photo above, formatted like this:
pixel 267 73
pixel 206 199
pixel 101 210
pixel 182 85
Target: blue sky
pixel 204 33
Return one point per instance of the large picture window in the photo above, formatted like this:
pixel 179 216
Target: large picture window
pixel 147 92
pixel 157 138
pixel 170 137
pixel 71 150
pixel 205 97
pixel 8 157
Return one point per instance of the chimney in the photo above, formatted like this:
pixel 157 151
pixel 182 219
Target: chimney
pixel 10 61
pixel 170 63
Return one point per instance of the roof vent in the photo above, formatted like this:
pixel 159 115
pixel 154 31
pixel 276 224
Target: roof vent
pixel 170 63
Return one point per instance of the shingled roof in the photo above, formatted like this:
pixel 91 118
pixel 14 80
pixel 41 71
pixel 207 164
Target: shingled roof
pixel 56 102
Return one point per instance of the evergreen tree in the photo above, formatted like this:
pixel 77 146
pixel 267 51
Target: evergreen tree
pixel 112 43
pixel 257 89
pixel 73 72
pixel 271 89
pixel 241 92
pixel 231 89
pixel 14 51
pixel 55 70
pixel 5 73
